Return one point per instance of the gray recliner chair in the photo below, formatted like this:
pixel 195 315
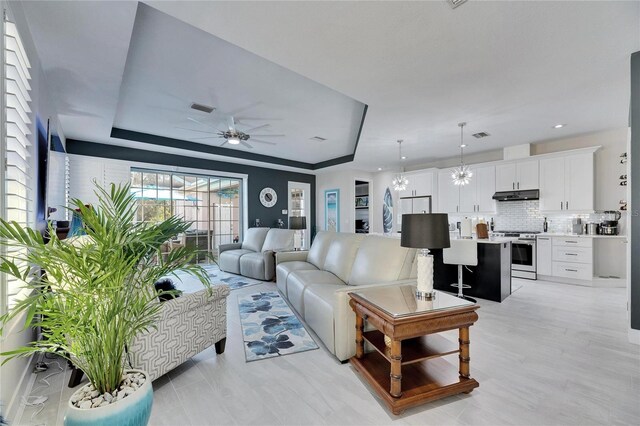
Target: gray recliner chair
pixel 254 257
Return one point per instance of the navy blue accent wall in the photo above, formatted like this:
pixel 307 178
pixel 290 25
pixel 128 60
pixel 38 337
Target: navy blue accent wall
pixel 258 177
pixel 634 158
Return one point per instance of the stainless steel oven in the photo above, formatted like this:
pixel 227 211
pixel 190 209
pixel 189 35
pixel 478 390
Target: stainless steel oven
pixel 523 258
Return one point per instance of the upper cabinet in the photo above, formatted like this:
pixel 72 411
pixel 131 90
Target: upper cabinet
pixel 420 183
pixel 448 194
pixel 567 183
pixel 517 175
pixel 475 197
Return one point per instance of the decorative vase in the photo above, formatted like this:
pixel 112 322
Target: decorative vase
pixel 133 410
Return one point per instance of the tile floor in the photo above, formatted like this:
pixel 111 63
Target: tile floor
pixel 549 354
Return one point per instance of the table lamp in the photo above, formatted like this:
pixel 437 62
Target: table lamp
pixel 425 231
pixel 298 223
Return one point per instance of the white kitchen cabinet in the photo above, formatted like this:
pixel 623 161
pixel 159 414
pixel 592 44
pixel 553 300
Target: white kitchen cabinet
pixel 485 178
pixel 544 255
pixel 420 183
pixel 477 195
pixel 567 183
pixel 552 184
pixel 579 182
pixel 517 175
pixel 467 194
pixel 505 177
pixel 571 257
pixel 448 193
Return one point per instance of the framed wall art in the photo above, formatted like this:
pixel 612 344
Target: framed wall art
pixel 332 210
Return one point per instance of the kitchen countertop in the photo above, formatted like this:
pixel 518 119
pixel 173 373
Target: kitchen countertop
pixel 491 240
pixel 560 234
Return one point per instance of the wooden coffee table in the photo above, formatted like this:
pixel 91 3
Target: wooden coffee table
pixel 412 370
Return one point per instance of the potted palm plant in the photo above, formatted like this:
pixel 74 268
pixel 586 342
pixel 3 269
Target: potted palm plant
pixel 96 294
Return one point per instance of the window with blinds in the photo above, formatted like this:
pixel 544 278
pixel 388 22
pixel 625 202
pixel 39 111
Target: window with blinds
pixel 18 147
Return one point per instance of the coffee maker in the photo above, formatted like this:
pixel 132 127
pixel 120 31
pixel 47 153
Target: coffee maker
pixel 609 224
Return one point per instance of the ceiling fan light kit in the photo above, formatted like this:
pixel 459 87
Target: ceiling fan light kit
pixel 462 174
pixel 400 182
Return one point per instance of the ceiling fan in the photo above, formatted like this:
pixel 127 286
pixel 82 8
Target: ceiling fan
pixel 232 135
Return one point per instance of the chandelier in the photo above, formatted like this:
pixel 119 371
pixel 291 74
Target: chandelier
pixel 462 174
pixel 400 182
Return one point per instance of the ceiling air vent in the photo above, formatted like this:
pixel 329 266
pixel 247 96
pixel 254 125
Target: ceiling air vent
pixel 318 139
pixel 204 108
pixel 455 3
pixel 481 135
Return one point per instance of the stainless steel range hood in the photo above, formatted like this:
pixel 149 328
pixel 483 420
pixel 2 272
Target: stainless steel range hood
pixel 531 194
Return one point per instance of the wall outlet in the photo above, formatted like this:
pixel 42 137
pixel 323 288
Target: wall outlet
pixel 285 211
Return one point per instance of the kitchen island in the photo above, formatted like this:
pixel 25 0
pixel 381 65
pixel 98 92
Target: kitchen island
pixel 490 279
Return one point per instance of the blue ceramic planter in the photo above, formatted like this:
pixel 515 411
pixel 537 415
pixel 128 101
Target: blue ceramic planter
pixel 134 410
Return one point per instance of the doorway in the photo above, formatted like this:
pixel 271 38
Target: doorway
pixel 362 214
pixel 300 206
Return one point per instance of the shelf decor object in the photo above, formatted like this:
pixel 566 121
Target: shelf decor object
pixel 462 174
pixel 425 231
pixel 400 182
pixel 299 224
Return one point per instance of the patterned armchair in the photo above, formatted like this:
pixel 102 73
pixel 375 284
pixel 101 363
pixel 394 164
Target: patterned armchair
pixel 187 325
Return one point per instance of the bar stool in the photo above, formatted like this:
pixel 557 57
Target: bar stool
pixel 461 253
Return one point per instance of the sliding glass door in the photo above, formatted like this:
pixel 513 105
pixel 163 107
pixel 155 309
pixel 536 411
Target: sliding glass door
pixel 211 204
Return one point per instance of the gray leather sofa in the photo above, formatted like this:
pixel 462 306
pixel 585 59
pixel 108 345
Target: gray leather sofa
pixel 317 283
pixel 254 256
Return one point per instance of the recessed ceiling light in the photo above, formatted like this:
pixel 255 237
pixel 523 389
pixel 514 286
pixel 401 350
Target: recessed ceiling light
pixel 379 168
pixel 464 145
pixel 404 157
pixel 559 126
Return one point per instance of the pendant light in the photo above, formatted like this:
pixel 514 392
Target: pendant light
pixel 462 174
pixel 400 182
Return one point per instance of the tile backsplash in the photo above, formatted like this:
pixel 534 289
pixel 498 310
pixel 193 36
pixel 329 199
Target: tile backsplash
pixel 525 216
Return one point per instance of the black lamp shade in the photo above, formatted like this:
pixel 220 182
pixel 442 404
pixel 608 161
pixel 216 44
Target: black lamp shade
pixel 297 222
pixel 425 231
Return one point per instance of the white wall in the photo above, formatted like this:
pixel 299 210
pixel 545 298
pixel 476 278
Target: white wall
pixel 12 373
pixel 345 181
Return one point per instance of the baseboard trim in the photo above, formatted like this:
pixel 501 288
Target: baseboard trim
pixel 634 336
pixel 15 406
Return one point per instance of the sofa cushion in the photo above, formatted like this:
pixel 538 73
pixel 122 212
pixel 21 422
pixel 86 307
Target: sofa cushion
pixel 284 269
pixel 319 248
pixel 252 265
pixel 380 259
pixel 254 239
pixel 278 239
pixel 229 260
pixel 319 311
pixel 297 281
pixel 341 254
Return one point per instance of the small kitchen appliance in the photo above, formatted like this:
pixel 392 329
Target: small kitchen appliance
pixel 576 226
pixel 609 224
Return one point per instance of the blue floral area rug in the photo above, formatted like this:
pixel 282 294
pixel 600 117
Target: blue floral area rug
pixel 270 328
pixel 190 284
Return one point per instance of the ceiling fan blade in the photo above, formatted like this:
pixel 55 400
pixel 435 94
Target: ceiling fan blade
pixel 246 144
pixel 244 108
pixel 223 143
pixel 256 119
pixel 232 124
pixel 256 128
pixel 213 136
pixel 191 130
pixel 201 123
pixel 265 142
pixel 268 136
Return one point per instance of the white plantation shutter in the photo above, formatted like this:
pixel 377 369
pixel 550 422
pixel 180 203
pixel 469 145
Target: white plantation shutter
pixel 17 180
